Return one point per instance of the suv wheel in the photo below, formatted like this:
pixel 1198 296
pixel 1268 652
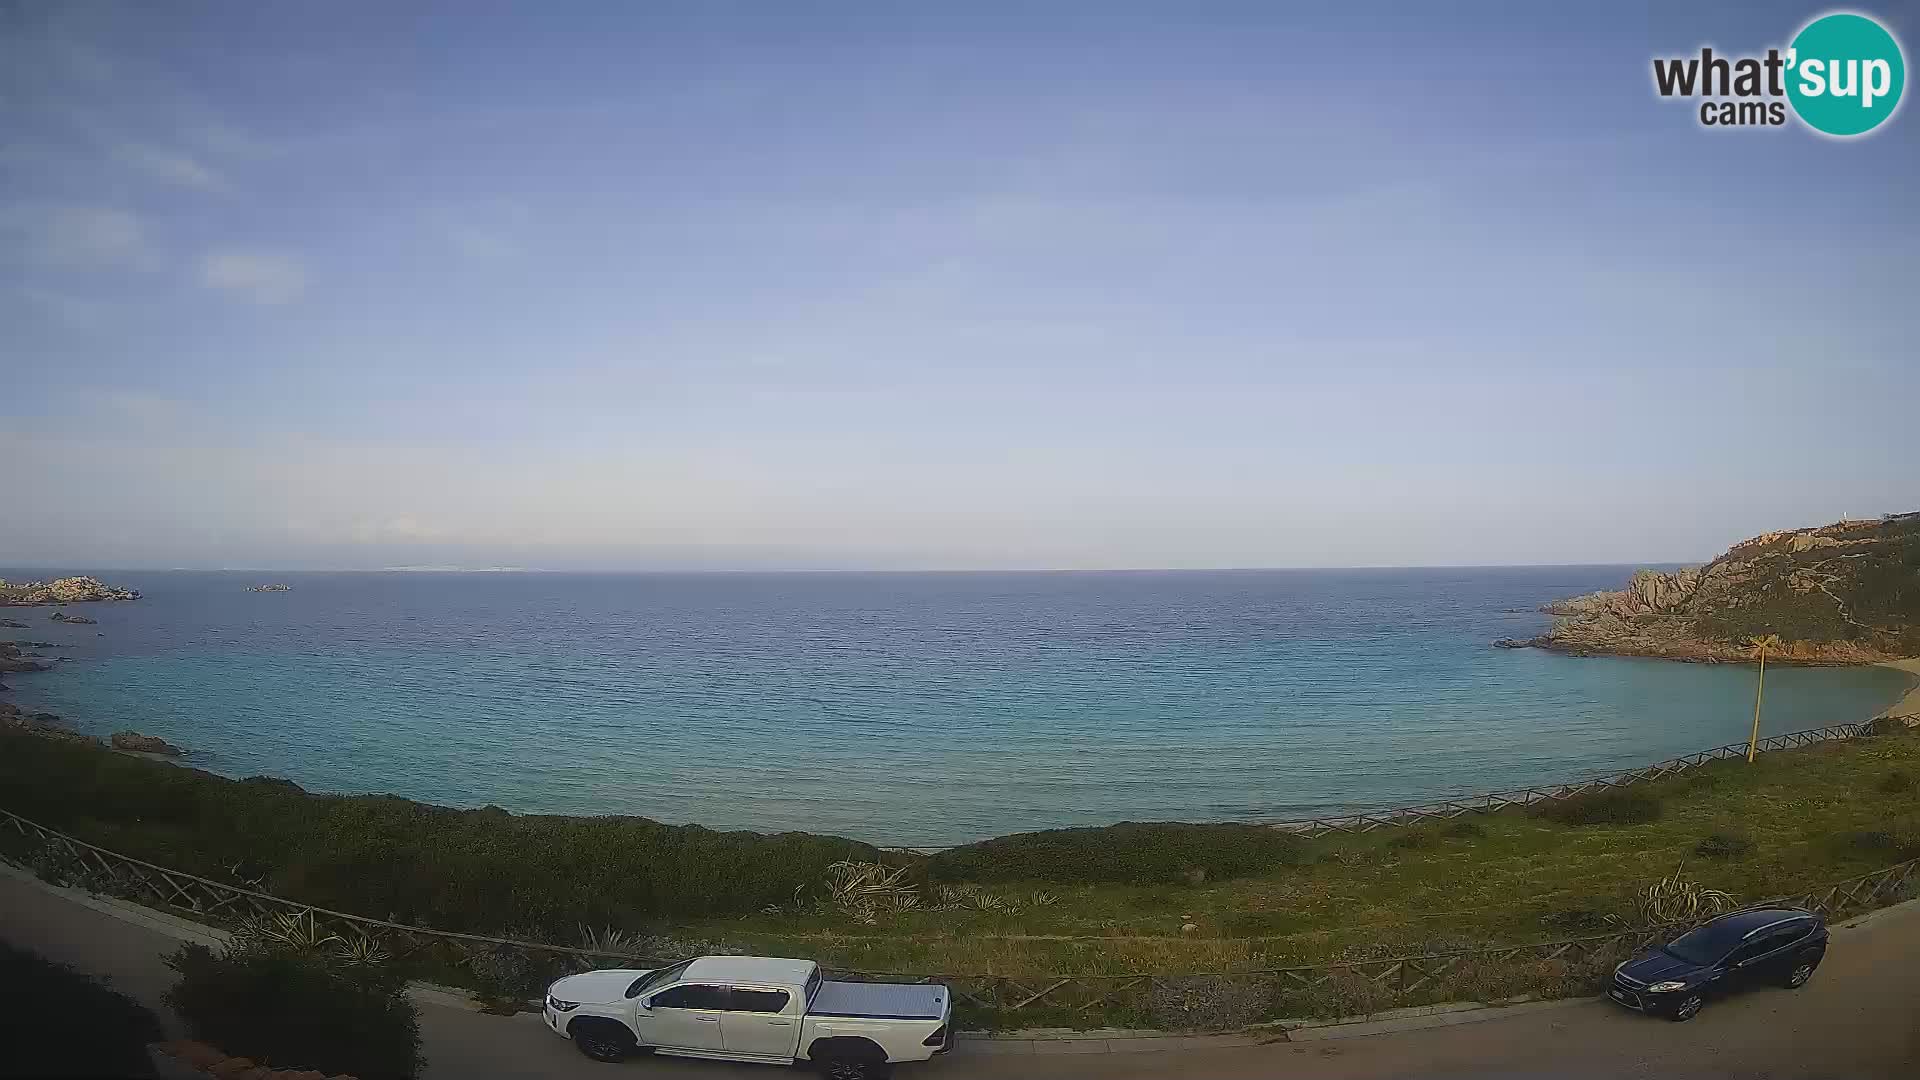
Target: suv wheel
pixel 1688 1008
pixel 601 1042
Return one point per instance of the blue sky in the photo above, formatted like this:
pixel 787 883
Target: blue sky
pixel 757 285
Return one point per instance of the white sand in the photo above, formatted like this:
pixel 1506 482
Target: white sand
pixel 1910 705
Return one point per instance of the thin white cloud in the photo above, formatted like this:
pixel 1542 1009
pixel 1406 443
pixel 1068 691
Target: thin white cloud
pixel 77 236
pixel 262 277
pixel 169 166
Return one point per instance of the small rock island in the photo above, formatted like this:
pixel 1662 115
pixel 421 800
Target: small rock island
pixel 67 590
pixel 270 588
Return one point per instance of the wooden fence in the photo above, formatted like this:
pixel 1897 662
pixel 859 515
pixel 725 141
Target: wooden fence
pixel 1188 1001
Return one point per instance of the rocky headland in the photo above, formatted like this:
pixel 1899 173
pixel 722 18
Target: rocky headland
pixel 1846 593
pixel 67 590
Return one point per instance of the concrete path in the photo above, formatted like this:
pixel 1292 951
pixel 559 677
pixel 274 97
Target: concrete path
pixel 1858 1020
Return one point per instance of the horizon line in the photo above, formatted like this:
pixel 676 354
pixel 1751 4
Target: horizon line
pixel 689 571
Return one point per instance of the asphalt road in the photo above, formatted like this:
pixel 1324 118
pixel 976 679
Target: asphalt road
pixel 1859 1019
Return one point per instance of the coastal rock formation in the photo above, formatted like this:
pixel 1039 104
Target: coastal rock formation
pixel 44 724
pixel 270 588
pixel 12 625
pixel 144 744
pixel 11 660
pixel 1846 593
pixel 77 620
pixel 67 590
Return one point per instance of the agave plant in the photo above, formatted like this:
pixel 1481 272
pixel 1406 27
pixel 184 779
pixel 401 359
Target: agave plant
pixel 863 889
pixel 360 950
pixel 606 940
pixel 300 932
pixel 1676 899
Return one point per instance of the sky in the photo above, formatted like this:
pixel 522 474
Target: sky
pixel 646 286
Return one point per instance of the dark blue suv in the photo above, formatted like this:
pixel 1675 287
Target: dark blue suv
pixel 1760 946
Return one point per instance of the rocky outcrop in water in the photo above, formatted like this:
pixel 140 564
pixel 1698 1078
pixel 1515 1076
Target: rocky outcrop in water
pixel 67 590
pixel 12 625
pixel 144 744
pixel 11 659
pixel 77 620
pixel 44 724
pixel 270 588
pixel 1845 593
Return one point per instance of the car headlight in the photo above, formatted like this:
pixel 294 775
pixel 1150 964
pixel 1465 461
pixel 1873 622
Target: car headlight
pixel 1666 987
pixel 557 1005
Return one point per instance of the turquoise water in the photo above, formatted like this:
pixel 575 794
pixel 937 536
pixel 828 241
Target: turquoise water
pixel 902 708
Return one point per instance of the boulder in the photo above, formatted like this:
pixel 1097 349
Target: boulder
pixel 144 744
pixel 77 620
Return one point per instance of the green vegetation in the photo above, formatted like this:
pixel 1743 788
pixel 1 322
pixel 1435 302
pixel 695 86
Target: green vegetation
pixel 1129 853
pixel 1610 806
pixel 1862 585
pixel 62 1023
pixel 1160 898
pixel 472 870
pixel 1725 844
pixel 298 1008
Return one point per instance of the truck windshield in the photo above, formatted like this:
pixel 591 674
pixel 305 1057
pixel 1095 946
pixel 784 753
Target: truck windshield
pixel 657 978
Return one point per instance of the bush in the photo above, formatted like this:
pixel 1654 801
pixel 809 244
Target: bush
pixel 1413 839
pixel 1466 828
pixel 1611 806
pixel 1897 782
pixel 66 1024
pixel 295 1010
pixel 1128 853
pixel 469 870
pixel 1726 844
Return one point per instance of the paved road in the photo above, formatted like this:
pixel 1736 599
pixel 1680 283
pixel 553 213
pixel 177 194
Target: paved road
pixel 1858 1020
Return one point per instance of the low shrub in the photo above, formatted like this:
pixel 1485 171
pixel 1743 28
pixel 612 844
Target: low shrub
pixel 470 870
pixel 1897 782
pixel 1412 840
pixel 292 1009
pixel 1210 1002
pixel 65 1024
pixel 1725 844
pixel 1611 806
pixel 1466 828
pixel 1898 839
pixel 1128 853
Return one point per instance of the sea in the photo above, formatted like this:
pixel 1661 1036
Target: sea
pixel 913 709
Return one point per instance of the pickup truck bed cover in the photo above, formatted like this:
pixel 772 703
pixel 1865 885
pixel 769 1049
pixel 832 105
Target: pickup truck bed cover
pixel 879 1001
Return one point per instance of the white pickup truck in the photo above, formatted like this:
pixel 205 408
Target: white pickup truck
pixel 752 1008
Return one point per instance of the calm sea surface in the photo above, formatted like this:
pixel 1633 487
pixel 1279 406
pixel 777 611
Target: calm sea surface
pixel 900 708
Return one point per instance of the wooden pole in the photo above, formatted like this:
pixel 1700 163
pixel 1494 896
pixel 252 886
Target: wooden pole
pixel 1760 688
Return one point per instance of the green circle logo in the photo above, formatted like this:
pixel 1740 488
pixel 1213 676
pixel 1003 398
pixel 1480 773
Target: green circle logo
pixel 1845 74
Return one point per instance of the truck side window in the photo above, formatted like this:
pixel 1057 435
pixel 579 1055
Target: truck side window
pixel 692 996
pixel 760 1001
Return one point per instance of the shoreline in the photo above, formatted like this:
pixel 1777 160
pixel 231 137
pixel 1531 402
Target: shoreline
pixel 1907 706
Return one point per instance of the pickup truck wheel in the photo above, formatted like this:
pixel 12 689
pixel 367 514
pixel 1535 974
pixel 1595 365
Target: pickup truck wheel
pixel 854 1069
pixel 607 1041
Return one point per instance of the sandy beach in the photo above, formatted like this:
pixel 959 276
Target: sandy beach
pixel 1909 705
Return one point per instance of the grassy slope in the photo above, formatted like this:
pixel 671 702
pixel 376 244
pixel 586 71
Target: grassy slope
pixel 1873 595
pixel 1814 815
